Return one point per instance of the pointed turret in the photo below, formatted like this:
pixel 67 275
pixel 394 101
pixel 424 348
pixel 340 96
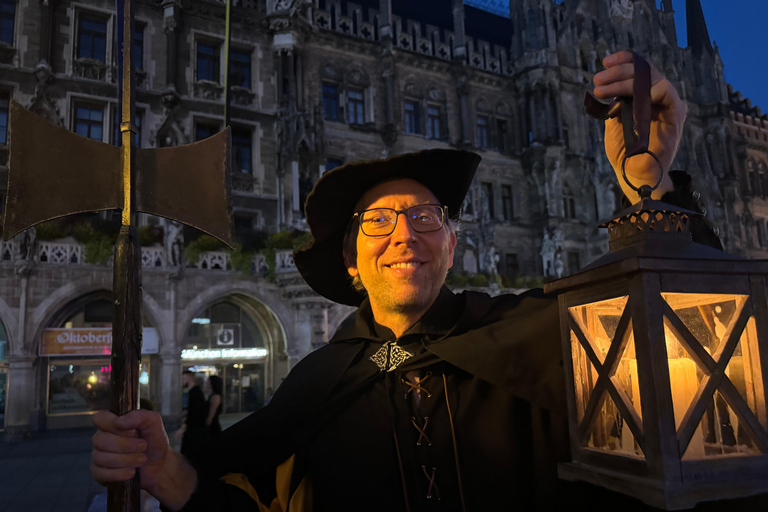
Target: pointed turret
pixel 698 35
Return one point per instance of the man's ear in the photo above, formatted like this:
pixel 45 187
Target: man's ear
pixel 451 247
pixel 350 261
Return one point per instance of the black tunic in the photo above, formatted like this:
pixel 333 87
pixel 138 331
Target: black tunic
pixel 472 418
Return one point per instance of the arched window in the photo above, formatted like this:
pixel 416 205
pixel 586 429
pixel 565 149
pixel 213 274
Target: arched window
pixel 762 173
pixel 532 29
pixel 226 327
pixel 569 203
pixel 77 345
pixel 753 178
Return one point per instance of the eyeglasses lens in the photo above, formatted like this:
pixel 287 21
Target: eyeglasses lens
pixel 382 221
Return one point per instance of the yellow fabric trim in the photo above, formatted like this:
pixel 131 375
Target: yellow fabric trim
pixel 301 501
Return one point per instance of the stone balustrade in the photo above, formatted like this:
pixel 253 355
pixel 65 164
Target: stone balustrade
pixel 73 253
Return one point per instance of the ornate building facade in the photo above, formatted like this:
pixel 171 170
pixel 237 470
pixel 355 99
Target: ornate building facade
pixel 314 84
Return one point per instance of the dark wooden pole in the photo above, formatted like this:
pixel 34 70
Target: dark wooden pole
pixel 126 287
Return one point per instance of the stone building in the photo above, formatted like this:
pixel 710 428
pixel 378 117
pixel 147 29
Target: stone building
pixel 314 84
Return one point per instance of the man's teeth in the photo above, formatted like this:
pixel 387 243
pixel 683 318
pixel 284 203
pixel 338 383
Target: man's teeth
pixel 410 264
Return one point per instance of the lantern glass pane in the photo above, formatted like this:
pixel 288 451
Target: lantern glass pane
pixel 720 433
pixel 719 334
pixel 595 328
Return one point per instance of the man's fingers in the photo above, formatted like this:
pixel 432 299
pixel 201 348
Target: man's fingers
pixel 117 443
pixel 615 74
pixel 616 89
pixel 117 460
pixel 617 58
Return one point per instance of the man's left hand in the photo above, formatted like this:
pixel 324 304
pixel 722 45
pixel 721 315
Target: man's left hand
pixel 667 118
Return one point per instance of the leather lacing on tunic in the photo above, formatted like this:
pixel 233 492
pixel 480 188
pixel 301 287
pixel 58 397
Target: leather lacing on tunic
pixel 416 388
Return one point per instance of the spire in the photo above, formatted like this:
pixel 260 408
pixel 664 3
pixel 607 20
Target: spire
pixel 698 35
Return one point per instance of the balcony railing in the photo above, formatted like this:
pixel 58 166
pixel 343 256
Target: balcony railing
pixel 73 253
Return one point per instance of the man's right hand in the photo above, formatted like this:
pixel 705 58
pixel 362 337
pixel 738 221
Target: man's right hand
pixel 137 441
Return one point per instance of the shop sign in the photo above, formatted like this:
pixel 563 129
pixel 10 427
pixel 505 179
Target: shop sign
pixel 88 341
pixel 224 353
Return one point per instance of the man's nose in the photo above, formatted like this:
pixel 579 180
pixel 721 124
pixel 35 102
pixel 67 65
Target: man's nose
pixel 403 230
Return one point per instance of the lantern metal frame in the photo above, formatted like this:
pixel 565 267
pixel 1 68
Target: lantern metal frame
pixel 652 253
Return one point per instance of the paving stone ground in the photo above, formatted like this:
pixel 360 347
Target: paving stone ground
pixel 51 472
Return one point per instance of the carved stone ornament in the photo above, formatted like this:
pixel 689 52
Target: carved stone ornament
pixel 411 89
pixel 356 76
pixel 284 5
pixel 329 71
pixel 435 95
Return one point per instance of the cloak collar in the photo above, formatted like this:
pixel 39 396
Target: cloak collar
pixel 438 321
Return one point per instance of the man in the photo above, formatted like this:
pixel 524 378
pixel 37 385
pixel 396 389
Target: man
pixel 195 434
pixel 425 400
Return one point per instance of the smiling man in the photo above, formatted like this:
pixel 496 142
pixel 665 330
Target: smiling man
pixel 424 400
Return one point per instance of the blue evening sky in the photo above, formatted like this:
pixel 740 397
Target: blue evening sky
pixel 737 26
pixel 739 29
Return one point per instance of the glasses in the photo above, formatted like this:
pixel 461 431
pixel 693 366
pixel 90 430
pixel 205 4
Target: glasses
pixel 423 218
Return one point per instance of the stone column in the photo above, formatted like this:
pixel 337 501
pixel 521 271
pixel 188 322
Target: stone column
pixel 20 402
pixel 170 389
pixel 459 41
pixel 385 21
pixel 171 14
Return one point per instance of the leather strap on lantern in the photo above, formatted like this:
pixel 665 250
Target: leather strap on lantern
pixel 635 112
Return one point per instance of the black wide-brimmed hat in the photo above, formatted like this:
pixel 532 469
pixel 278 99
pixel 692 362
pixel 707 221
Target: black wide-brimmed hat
pixel 446 172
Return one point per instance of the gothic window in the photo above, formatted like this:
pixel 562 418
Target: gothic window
pixel 242 160
pixel 763 174
pixel 137 46
pixel 569 203
pixel 507 205
pixel 88 120
pixel 481 132
pixel 356 106
pixel 532 29
pixel 330 101
pixel 7 21
pixel 512 265
pixel 574 262
pixel 240 68
pixel 433 122
pixel 205 129
pixel 754 179
pixel 117 138
pixel 4 102
pixel 92 37
pixel 332 163
pixel 502 135
pixel 411 116
pixel 207 62
pixel 488 189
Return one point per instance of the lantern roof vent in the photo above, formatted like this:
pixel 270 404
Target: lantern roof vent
pixel 654 229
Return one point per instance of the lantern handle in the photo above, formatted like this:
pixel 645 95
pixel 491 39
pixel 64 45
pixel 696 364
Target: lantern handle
pixel 644 191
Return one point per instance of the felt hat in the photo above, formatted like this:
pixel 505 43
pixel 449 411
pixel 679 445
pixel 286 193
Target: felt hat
pixel 446 172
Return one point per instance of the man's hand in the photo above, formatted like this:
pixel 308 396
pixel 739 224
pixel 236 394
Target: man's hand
pixel 667 119
pixel 137 441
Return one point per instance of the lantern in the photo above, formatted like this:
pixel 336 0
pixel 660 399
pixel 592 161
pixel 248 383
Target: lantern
pixel 666 350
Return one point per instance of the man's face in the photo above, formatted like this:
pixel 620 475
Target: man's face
pixel 404 271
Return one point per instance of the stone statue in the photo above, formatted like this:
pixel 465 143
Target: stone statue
pixel 27 245
pixel 174 243
pixel 491 263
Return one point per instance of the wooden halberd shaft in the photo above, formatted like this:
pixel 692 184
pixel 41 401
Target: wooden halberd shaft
pixel 126 287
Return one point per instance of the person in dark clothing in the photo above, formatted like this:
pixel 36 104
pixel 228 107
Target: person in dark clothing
pixel 195 428
pixel 424 400
pixel 215 405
